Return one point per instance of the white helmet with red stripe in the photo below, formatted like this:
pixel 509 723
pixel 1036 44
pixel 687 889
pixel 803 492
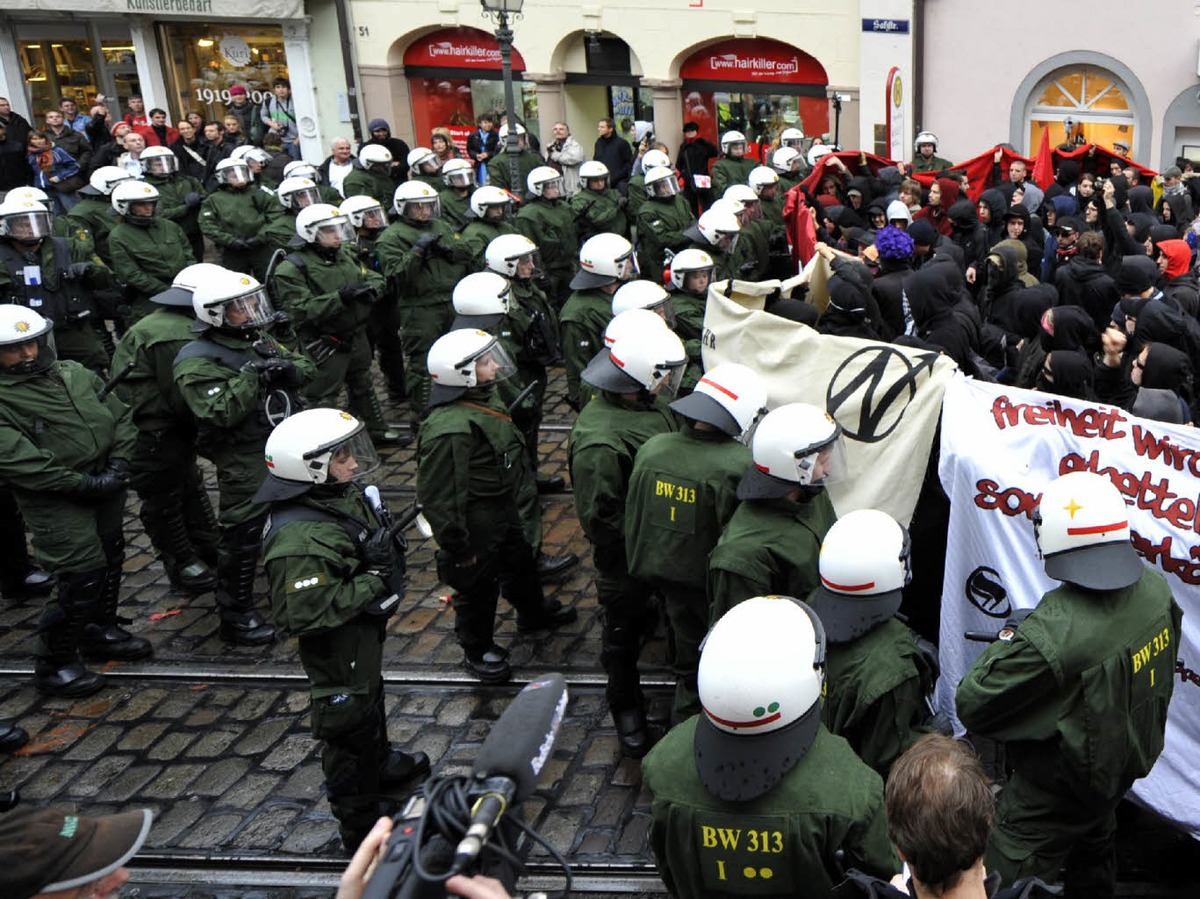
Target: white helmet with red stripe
pixel 730 396
pixel 864 568
pixel 1081 525
pixel 795 446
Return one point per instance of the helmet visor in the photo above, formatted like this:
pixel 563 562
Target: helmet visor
pixel 551 189
pixel 627 267
pixel 495 212
pixel 696 281
pixel 492 364
pixel 32 225
pixel 303 171
pixel 796 143
pixel 422 210
pixel 727 240
pixel 827 465
pixel 335 232
pixel 235 175
pixel 29 356
pixel 664 187
pixel 597 182
pixel 248 310
pixel 667 310
pixel 161 165
pixel 305 196
pixel 459 178
pixel 526 266
pixel 373 218
pixel 666 378
pixel 348 460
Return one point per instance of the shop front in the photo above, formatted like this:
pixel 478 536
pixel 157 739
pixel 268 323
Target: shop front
pixel 454 77
pixel 757 86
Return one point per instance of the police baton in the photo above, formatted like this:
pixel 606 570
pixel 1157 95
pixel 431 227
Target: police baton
pixel 522 396
pixel 115 380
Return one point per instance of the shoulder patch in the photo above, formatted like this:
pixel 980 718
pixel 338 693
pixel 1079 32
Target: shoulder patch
pixel 306 583
pixel 213 391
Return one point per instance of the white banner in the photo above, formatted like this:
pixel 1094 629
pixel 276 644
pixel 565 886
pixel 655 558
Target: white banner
pixel 1000 447
pixel 885 397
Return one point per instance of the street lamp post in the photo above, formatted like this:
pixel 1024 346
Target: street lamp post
pixel 499 11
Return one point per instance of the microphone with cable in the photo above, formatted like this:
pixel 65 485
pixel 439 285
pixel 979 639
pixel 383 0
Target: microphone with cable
pixel 511 759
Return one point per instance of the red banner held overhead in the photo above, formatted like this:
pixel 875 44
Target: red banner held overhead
pixel 754 59
pixel 459 48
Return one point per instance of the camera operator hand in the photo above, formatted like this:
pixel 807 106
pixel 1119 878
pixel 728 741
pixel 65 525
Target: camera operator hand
pixel 366 858
pixel 477 887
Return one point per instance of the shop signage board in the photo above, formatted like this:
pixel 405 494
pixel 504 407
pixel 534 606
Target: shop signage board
pixel 233 9
pixel 758 60
pixel 459 48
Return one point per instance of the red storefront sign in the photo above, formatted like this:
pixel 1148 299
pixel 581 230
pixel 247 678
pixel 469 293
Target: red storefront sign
pixel 459 48
pixel 758 60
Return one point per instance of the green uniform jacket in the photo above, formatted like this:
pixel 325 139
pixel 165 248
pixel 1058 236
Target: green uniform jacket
pixel 551 225
pixel 660 227
pixel 604 442
pixel 54 428
pixel 682 493
pixel 149 258
pixel 689 326
pixel 724 264
pixel 455 208
pixel 226 215
pixel 360 182
pixel 309 293
pixel 729 171
pixel 769 547
pixel 281 232
pixel 317 579
pixel 473 475
pixel 707 848
pixel 96 216
pixel 582 321
pixel 875 689
pixel 418 280
pixel 1080 695
pixel 599 212
pixel 935 163
pixel 150 391
pixel 499 171
pixel 635 196
pixel 773 211
pixel 751 256
pixel 478 234
pixel 171 206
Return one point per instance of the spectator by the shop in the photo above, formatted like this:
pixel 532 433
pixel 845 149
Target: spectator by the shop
pixel 482 145
pixel 54 170
pixel 240 106
pixel 72 117
pixel 338 164
pixel 158 133
pixel 18 127
pixel 137 112
pixel 615 152
pixel 65 138
pixel 381 133
pixel 14 169
pixel 279 115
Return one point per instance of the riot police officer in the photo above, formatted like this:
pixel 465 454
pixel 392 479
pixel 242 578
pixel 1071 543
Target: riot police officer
pixel 425 166
pixel 239 382
pixel 597 207
pixel 293 195
pixel 180 194
pixel 661 220
pixel 733 167
pixel 546 218
pixel 335 563
pixel 458 177
pixel 491 216
pixel 233 217
pixel 94 211
pixel 373 178
pixel 689 273
pixel 717 233
pixel 148 250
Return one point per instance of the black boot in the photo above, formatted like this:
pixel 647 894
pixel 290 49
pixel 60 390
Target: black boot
pixel 490 666
pixel 165 525
pixel 103 637
pixel 36 583
pixel 240 621
pixel 13 738
pixel 551 568
pixel 59 669
pixel 552 614
pixel 632 731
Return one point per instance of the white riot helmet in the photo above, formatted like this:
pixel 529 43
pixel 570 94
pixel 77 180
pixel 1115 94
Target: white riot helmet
pixel 604 259
pixel 687 262
pixel 816 151
pixel 319 446
pixel 375 159
pixel 482 297
pixel 251 154
pixel 653 159
pixel 761 177
pixel 1081 525
pixel 747 196
pixel 661 182
pixel 458 173
pixel 760 679
pixel 629 321
pixel 127 194
pixel 720 228
pixel 593 170
pixel 20 325
pixel 364 211
pixel 505 254
pixel 796 445
pixel 298 168
pixel 323 225
pixel 233 301
pixel 730 396
pixel 652 360
pixel 296 193
pixel 791 137
pixel 36 194
pixel 423 161
pixel 784 159
pixel 463 359
pixel 731 141
pixel 24 220
pixel 644 295
pixel 185 282
pixel 502 134
pixel 492 204
pixel 545 182
pixel 416 201
pixel 105 178
pixel 925 137
pixel 233 172
pixel 865 565
pixel 158 161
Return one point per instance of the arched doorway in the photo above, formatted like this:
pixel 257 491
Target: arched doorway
pixel 1082 104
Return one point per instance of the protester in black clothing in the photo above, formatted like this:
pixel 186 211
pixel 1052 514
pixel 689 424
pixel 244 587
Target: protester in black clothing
pixel 693 159
pixel 191 152
pixel 381 134
pixel 15 123
pixel 1084 282
pixel 616 153
pixel 14 170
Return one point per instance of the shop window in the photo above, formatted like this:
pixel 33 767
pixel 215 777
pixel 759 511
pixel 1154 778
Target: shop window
pixel 455 103
pixel 202 62
pixel 760 116
pixel 1081 105
pixel 55 69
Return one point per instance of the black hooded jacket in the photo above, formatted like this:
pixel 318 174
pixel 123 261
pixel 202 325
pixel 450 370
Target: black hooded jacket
pixel 1084 282
pixel 969 233
pixel 931 301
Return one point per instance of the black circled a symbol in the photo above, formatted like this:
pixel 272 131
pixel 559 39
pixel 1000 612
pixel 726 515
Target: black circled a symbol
pixel 984 589
pixel 886 394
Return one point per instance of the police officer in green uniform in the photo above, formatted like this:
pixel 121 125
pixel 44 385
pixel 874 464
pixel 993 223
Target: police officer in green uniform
pixel 546 218
pixel 662 221
pixel 606 261
pixel 753 796
pixel 329 296
pixel 298 168
pixel 751 257
pixel 425 166
pixel 718 232
pixel 458 183
pixel 94 213
pixel 491 217
pixel 772 541
pixel 239 382
pixel 374 178
pixel 148 250
pixel 499 169
pixel 473 480
pixel 880 672
pixel 42 273
pixel 234 216
pixel 791 166
pixel 690 273
pixel 293 195
pixel 64 450
pixel 636 188
pixel 180 195
pixel 765 182
pixel 634 378
pixel 175 510
pixel 422 259
pixel 1078 692
pixel 597 207
pixel 335 563
pixel 733 167
pixel 682 492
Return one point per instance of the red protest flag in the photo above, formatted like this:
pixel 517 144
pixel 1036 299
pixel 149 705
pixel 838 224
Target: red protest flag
pixel 1043 166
